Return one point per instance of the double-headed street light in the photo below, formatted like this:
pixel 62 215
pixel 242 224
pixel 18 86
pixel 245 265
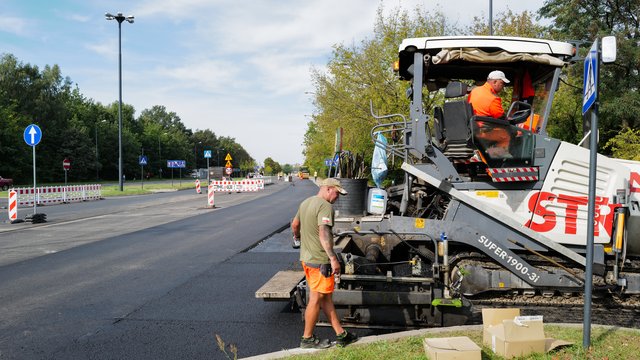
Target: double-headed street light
pixel 119 18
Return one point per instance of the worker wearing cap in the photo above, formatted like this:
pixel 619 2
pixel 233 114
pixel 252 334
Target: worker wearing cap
pixel 313 226
pixel 485 102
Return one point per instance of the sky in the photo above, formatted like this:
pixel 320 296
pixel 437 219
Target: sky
pixel 240 68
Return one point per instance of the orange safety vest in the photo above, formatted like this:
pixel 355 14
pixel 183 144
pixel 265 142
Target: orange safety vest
pixel 485 101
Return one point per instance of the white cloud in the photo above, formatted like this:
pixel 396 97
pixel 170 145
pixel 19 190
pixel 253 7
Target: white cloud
pixel 14 25
pixel 105 48
pixel 206 75
pixel 80 18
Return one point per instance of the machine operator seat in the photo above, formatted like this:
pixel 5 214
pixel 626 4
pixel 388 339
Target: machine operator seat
pixel 454 125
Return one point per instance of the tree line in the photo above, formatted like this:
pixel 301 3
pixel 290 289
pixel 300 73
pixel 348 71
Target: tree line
pixel 359 79
pixel 86 132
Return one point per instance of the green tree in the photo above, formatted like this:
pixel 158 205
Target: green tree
pixel 271 166
pixel 626 145
pixel 508 23
pixel 86 132
pixel 360 75
pixel 618 84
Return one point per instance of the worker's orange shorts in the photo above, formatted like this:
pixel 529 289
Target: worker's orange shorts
pixel 316 281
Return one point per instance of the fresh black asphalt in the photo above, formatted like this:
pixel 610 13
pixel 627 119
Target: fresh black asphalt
pixel 159 293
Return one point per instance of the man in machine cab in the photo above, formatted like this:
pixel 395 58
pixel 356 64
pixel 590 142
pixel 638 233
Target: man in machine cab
pixel 485 101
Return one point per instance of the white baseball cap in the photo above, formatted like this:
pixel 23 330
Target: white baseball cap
pixel 497 75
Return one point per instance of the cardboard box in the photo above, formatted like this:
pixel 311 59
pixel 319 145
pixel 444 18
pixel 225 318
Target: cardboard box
pixel 508 334
pixel 493 317
pixel 452 348
pixel 517 337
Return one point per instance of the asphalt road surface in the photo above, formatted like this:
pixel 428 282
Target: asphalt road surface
pixel 152 277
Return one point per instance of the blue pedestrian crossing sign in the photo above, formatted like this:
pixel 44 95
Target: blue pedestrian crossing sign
pixel 32 135
pixel 207 154
pixel 590 85
pixel 142 160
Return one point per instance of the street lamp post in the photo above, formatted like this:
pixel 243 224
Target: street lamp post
pixel 119 18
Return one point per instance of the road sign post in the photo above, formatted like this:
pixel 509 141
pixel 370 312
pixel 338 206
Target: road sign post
pixel 66 165
pixel 228 167
pixel 180 164
pixel 32 136
pixel 590 105
pixel 142 160
pixel 207 155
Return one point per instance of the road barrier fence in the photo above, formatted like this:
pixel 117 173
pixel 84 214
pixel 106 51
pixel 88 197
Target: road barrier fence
pixel 47 195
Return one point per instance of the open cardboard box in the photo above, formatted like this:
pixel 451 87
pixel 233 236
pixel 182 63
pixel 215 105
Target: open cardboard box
pixel 508 334
pixel 452 348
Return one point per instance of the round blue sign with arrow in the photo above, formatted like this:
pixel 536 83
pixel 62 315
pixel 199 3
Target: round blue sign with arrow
pixel 32 135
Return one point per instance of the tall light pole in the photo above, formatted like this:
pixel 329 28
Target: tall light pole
pixel 119 18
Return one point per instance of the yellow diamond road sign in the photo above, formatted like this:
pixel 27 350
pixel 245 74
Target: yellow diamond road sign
pixel 228 157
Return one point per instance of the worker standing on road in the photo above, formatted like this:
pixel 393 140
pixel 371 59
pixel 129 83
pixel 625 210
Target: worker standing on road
pixel 312 225
pixel 485 102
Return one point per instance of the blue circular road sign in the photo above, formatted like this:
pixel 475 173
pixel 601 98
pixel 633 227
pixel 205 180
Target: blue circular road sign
pixel 32 135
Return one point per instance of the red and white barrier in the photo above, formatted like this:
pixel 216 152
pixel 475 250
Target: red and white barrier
pixel 13 205
pixel 198 190
pixel 210 196
pixel 47 195
pixel 238 186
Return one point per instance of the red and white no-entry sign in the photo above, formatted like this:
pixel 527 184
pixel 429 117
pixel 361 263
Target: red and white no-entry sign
pixel 66 164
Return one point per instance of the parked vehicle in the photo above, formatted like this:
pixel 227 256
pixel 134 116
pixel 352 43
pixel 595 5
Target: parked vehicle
pixel 5 183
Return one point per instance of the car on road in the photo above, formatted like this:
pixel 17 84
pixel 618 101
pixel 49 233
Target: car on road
pixel 5 183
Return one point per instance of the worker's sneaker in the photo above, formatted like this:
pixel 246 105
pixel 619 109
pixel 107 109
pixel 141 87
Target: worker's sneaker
pixel 314 343
pixel 346 338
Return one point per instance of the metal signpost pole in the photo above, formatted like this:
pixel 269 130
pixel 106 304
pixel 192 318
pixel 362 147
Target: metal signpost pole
pixel 590 106
pixel 32 136
pixel 34 180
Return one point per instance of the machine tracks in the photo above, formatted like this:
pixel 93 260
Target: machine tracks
pixel 606 310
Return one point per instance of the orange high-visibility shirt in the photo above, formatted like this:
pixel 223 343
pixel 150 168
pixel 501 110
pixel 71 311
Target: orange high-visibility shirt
pixel 485 101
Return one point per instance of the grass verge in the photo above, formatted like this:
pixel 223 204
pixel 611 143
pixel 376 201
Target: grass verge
pixel 135 188
pixel 606 343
